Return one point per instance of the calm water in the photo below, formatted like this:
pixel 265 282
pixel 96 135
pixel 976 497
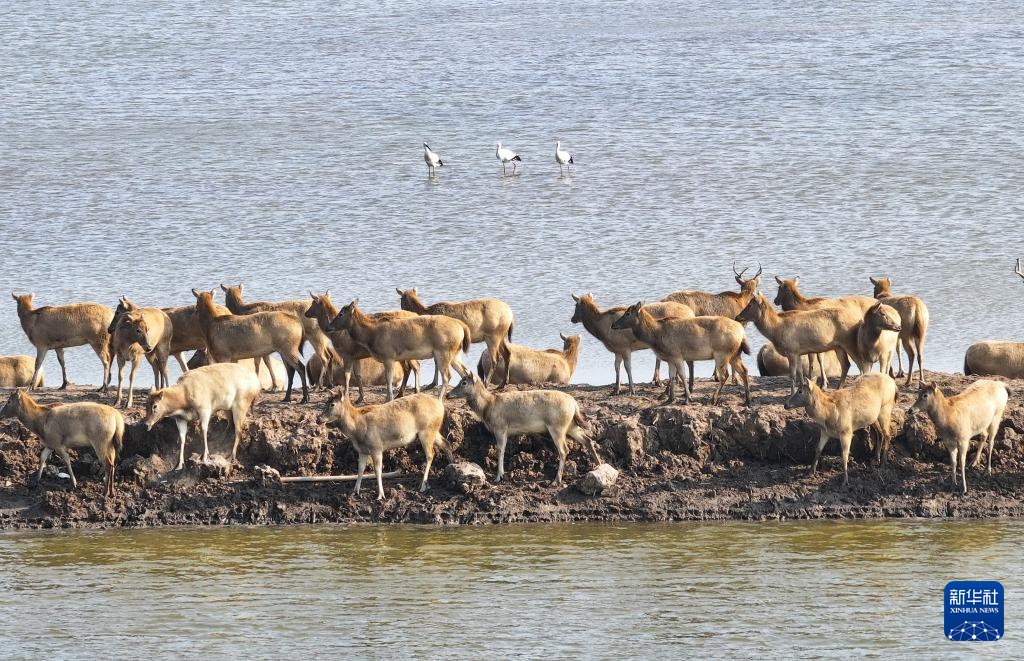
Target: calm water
pixel 147 150
pixel 817 590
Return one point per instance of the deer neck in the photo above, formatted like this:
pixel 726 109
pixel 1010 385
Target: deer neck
pixel 325 313
pixel 414 304
pixel 941 412
pixel 32 415
pixel 361 327
pixel 26 315
pixel 480 400
pixel 645 324
pixel 819 405
pixel 572 355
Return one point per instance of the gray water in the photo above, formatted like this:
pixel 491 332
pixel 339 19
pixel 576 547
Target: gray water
pixel 734 590
pixel 147 149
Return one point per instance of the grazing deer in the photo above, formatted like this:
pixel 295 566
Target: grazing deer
pixel 867 403
pixel 391 341
pixel 59 327
pixel 521 364
pixel 297 307
pixel 61 427
pixel 489 319
pixel 678 341
pixel 373 429
pixel 527 412
pixel 230 338
pixel 622 342
pixel 798 333
pixel 198 395
pixel 136 332
pixel 977 411
pixel 354 357
pixel 914 322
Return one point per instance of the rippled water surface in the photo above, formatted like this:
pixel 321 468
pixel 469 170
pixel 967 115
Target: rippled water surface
pixel 146 150
pixel 823 589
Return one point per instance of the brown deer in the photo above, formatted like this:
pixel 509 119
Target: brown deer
pixel 187 334
pixel 622 342
pixel 678 341
pixel 17 372
pixel 354 357
pixel 136 333
pixel 489 319
pixel 231 337
pixel 521 364
pixel 430 336
pixel 297 307
pixel 725 304
pixel 914 322
pixel 877 336
pixel 60 327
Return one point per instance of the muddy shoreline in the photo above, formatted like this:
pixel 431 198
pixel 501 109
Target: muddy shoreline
pixel 676 463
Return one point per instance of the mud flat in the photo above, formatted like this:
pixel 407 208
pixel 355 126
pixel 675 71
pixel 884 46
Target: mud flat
pixel 695 462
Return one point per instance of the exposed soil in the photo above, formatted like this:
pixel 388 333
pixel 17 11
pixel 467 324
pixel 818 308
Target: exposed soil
pixel 677 462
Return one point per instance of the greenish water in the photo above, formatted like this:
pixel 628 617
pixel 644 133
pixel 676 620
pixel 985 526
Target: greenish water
pixel 820 589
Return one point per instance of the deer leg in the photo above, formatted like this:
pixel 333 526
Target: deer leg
pixel 63 368
pixel 378 465
pixel 427 441
pixel 723 368
pixel 821 368
pixel 182 425
pixel 40 357
pixel 43 457
pixel 657 372
pixel 67 462
pixel 359 471
pixel 909 348
pixel 844 442
pixel 689 368
pixel 628 361
pixel 131 381
pixel 181 363
pixel 795 364
pixel 561 446
pixel 204 427
pixel 500 440
pixel 899 362
pixel 270 368
pixel 963 461
pixel 389 377
pixel 844 361
pixel 120 379
pixel 618 376
pixel 953 452
pixel 918 342
pixel 822 440
pixel 738 366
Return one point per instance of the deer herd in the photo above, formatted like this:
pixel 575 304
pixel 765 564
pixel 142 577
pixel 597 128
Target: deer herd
pixel 810 340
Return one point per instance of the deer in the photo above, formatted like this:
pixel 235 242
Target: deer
pixel 772 363
pixel 725 304
pixel 61 427
pixel 489 320
pixel 678 341
pixel 798 333
pixel 297 307
pixel 977 411
pixel 395 424
pixel 187 334
pixel 231 337
pixel 136 332
pixel 877 336
pixel 994 358
pixel 521 364
pixel 622 342
pixel 198 395
pixel 914 322
pixel 867 403
pixel 527 412
pixel 390 341
pixel 354 357
pixel 18 371
pixel 60 327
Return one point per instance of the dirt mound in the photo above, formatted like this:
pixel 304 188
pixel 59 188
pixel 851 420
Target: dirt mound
pixel 675 462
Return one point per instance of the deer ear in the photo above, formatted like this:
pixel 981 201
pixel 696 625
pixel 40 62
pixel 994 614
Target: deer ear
pixel 195 292
pixel 327 294
pixel 779 280
pixel 574 297
pixel 225 289
pixel 873 280
pixel 563 336
pixel 796 280
pixel 15 296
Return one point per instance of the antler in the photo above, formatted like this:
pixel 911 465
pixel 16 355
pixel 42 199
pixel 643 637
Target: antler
pixel 738 274
pixel 1017 270
pixel 760 270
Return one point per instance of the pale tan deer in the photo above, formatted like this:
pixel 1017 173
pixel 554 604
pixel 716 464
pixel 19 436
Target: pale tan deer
pixel 994 358
pixel 877 337
pixel 61 427
pixel 977 411
pixel 187 334
pixel 867 403
pixel 521 364
pixel 135 333
pixel 60 327
pixel 17 372
pixel 772 363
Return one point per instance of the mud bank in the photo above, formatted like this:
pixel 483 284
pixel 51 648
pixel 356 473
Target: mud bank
pixel 695 462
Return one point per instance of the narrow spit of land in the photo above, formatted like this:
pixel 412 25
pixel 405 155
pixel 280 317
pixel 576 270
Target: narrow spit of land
pixel 696 462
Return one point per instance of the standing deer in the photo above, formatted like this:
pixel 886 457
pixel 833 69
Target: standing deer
pixel 489 319
pixel 725 304
pixel 60 327
pixel 136 332
pixel 914 322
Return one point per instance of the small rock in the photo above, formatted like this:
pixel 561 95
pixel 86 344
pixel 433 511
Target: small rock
pixel 597 480
pixel 465 475
pixel 143 470
pixel 265 475
pixel 214 468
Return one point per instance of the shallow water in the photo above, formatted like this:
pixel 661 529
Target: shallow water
pixel 146 151
pixel 819 589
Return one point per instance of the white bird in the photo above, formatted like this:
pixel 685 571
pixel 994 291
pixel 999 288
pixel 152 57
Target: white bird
pixel 562 157
pixel 506 155
pixel 432 159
